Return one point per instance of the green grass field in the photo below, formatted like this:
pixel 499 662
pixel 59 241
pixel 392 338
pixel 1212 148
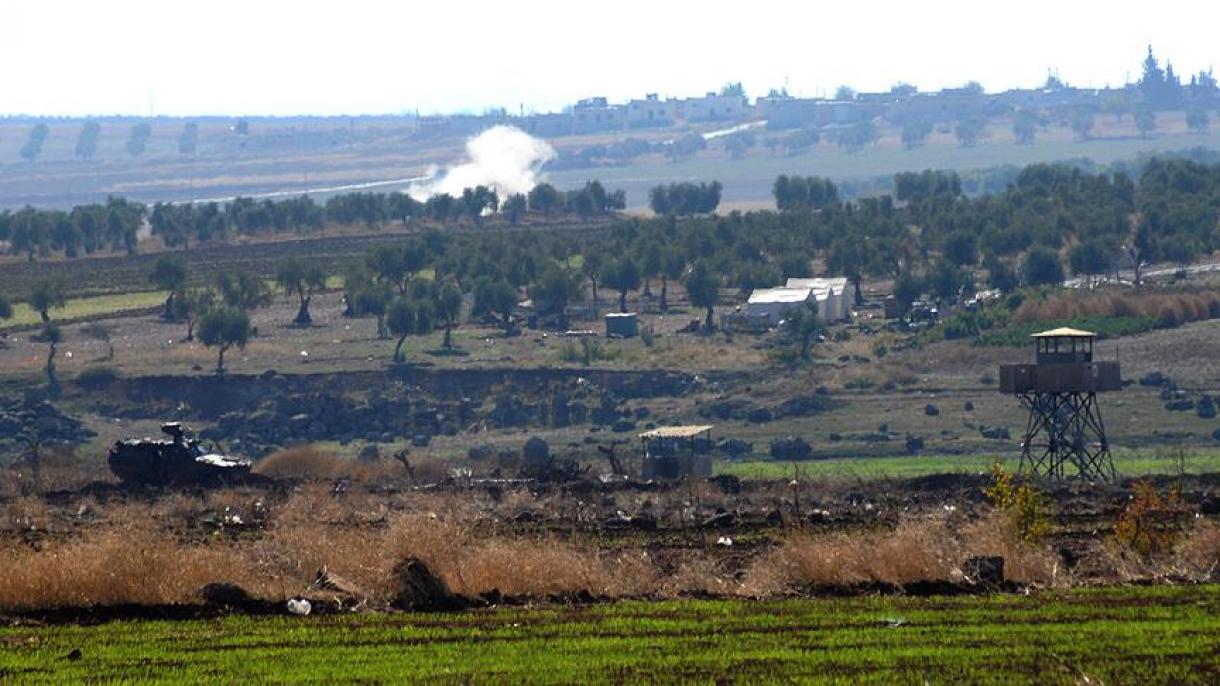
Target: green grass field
pixel 1128 463
pixel 1112 635
pixel 82 308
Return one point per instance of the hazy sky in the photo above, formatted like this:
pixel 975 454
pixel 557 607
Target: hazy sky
pixel 184 57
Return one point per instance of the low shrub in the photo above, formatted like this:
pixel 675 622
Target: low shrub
pixel 1024 506
pixel 94 378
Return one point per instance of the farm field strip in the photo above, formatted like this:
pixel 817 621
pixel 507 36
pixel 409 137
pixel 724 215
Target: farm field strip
pixel 1114 634
pixel 93 306
pixel 1128 464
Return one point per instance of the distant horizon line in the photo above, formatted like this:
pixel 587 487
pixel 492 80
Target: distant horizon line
pixel 509 111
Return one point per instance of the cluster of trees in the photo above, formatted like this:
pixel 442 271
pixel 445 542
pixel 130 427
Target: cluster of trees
pixel 685 198
pixel 1052 219
pixel 32 147
pixel 929 238
pixel 86 143
pixel 140 133
pixel 1163 89
pixel 135 145
pixel 793 192
pixel 115 224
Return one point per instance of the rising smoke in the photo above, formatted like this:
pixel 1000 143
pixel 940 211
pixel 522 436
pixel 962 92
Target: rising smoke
pixel 504 158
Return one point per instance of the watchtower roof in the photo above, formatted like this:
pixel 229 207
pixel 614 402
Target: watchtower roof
pixel 677 431
pixel 1064 332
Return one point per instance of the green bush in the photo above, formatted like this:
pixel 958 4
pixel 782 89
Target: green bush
pixel 1105 327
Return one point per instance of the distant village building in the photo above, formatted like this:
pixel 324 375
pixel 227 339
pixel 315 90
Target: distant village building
pixel 550 125
pixel 794 113
pixel 651 111
pixel 594 115
pixel 713 107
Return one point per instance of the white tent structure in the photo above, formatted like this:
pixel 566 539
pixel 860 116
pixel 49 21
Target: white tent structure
pixel 770 303
pixel 837 293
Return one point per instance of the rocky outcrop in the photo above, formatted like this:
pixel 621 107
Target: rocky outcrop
pixel 29 417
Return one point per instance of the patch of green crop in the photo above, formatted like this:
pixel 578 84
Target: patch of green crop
pixel 80 308
pixel 1115 635
pixel 1017 335
pixel 1127 462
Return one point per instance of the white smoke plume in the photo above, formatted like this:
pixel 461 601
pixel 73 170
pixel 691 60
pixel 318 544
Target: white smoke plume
pixel 504 158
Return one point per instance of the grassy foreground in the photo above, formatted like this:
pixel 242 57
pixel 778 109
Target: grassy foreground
pixel 1133 463
pixel 1115 635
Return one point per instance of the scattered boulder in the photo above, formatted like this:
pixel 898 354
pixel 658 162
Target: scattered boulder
pixel 299 606
pixel 791 448
pixel 1154 379
pixel 759 415
pixel 1206 407
pixel 326 580
pixel 479 453
pixel 995 433
pixel 807 405
pixel 623 425
pixel 233 597
pixel 536 451
pixel 1181 405
pixel 31 415
pixel 988 570
pixel 420 590
pixel 727 483
pixel 735 447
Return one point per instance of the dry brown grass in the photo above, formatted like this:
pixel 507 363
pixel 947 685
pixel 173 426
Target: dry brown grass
pixel 311 463
pixel 1198 554
pixel 135 563
pixel 1171 309
pixel 60 469
pixel 85 553
pixel 305 462
pixel 916 550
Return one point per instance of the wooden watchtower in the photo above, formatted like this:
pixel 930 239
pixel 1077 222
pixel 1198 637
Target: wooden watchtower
pixel 1060 392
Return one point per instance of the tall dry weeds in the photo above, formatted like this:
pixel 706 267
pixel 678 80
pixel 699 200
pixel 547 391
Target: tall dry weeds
pixel 131 564
pixel 916 550
pixel 1171 309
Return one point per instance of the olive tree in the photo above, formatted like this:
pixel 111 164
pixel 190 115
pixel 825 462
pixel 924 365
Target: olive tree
pixel 297 277
pixel 169 274
pixel 703 290
pixel 801 325
pixel 223 328
pixel 53 336
pixel 449 308
pixel 408 317
pixel 46 295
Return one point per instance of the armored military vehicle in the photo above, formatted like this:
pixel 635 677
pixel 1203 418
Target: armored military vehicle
pixel 180 461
